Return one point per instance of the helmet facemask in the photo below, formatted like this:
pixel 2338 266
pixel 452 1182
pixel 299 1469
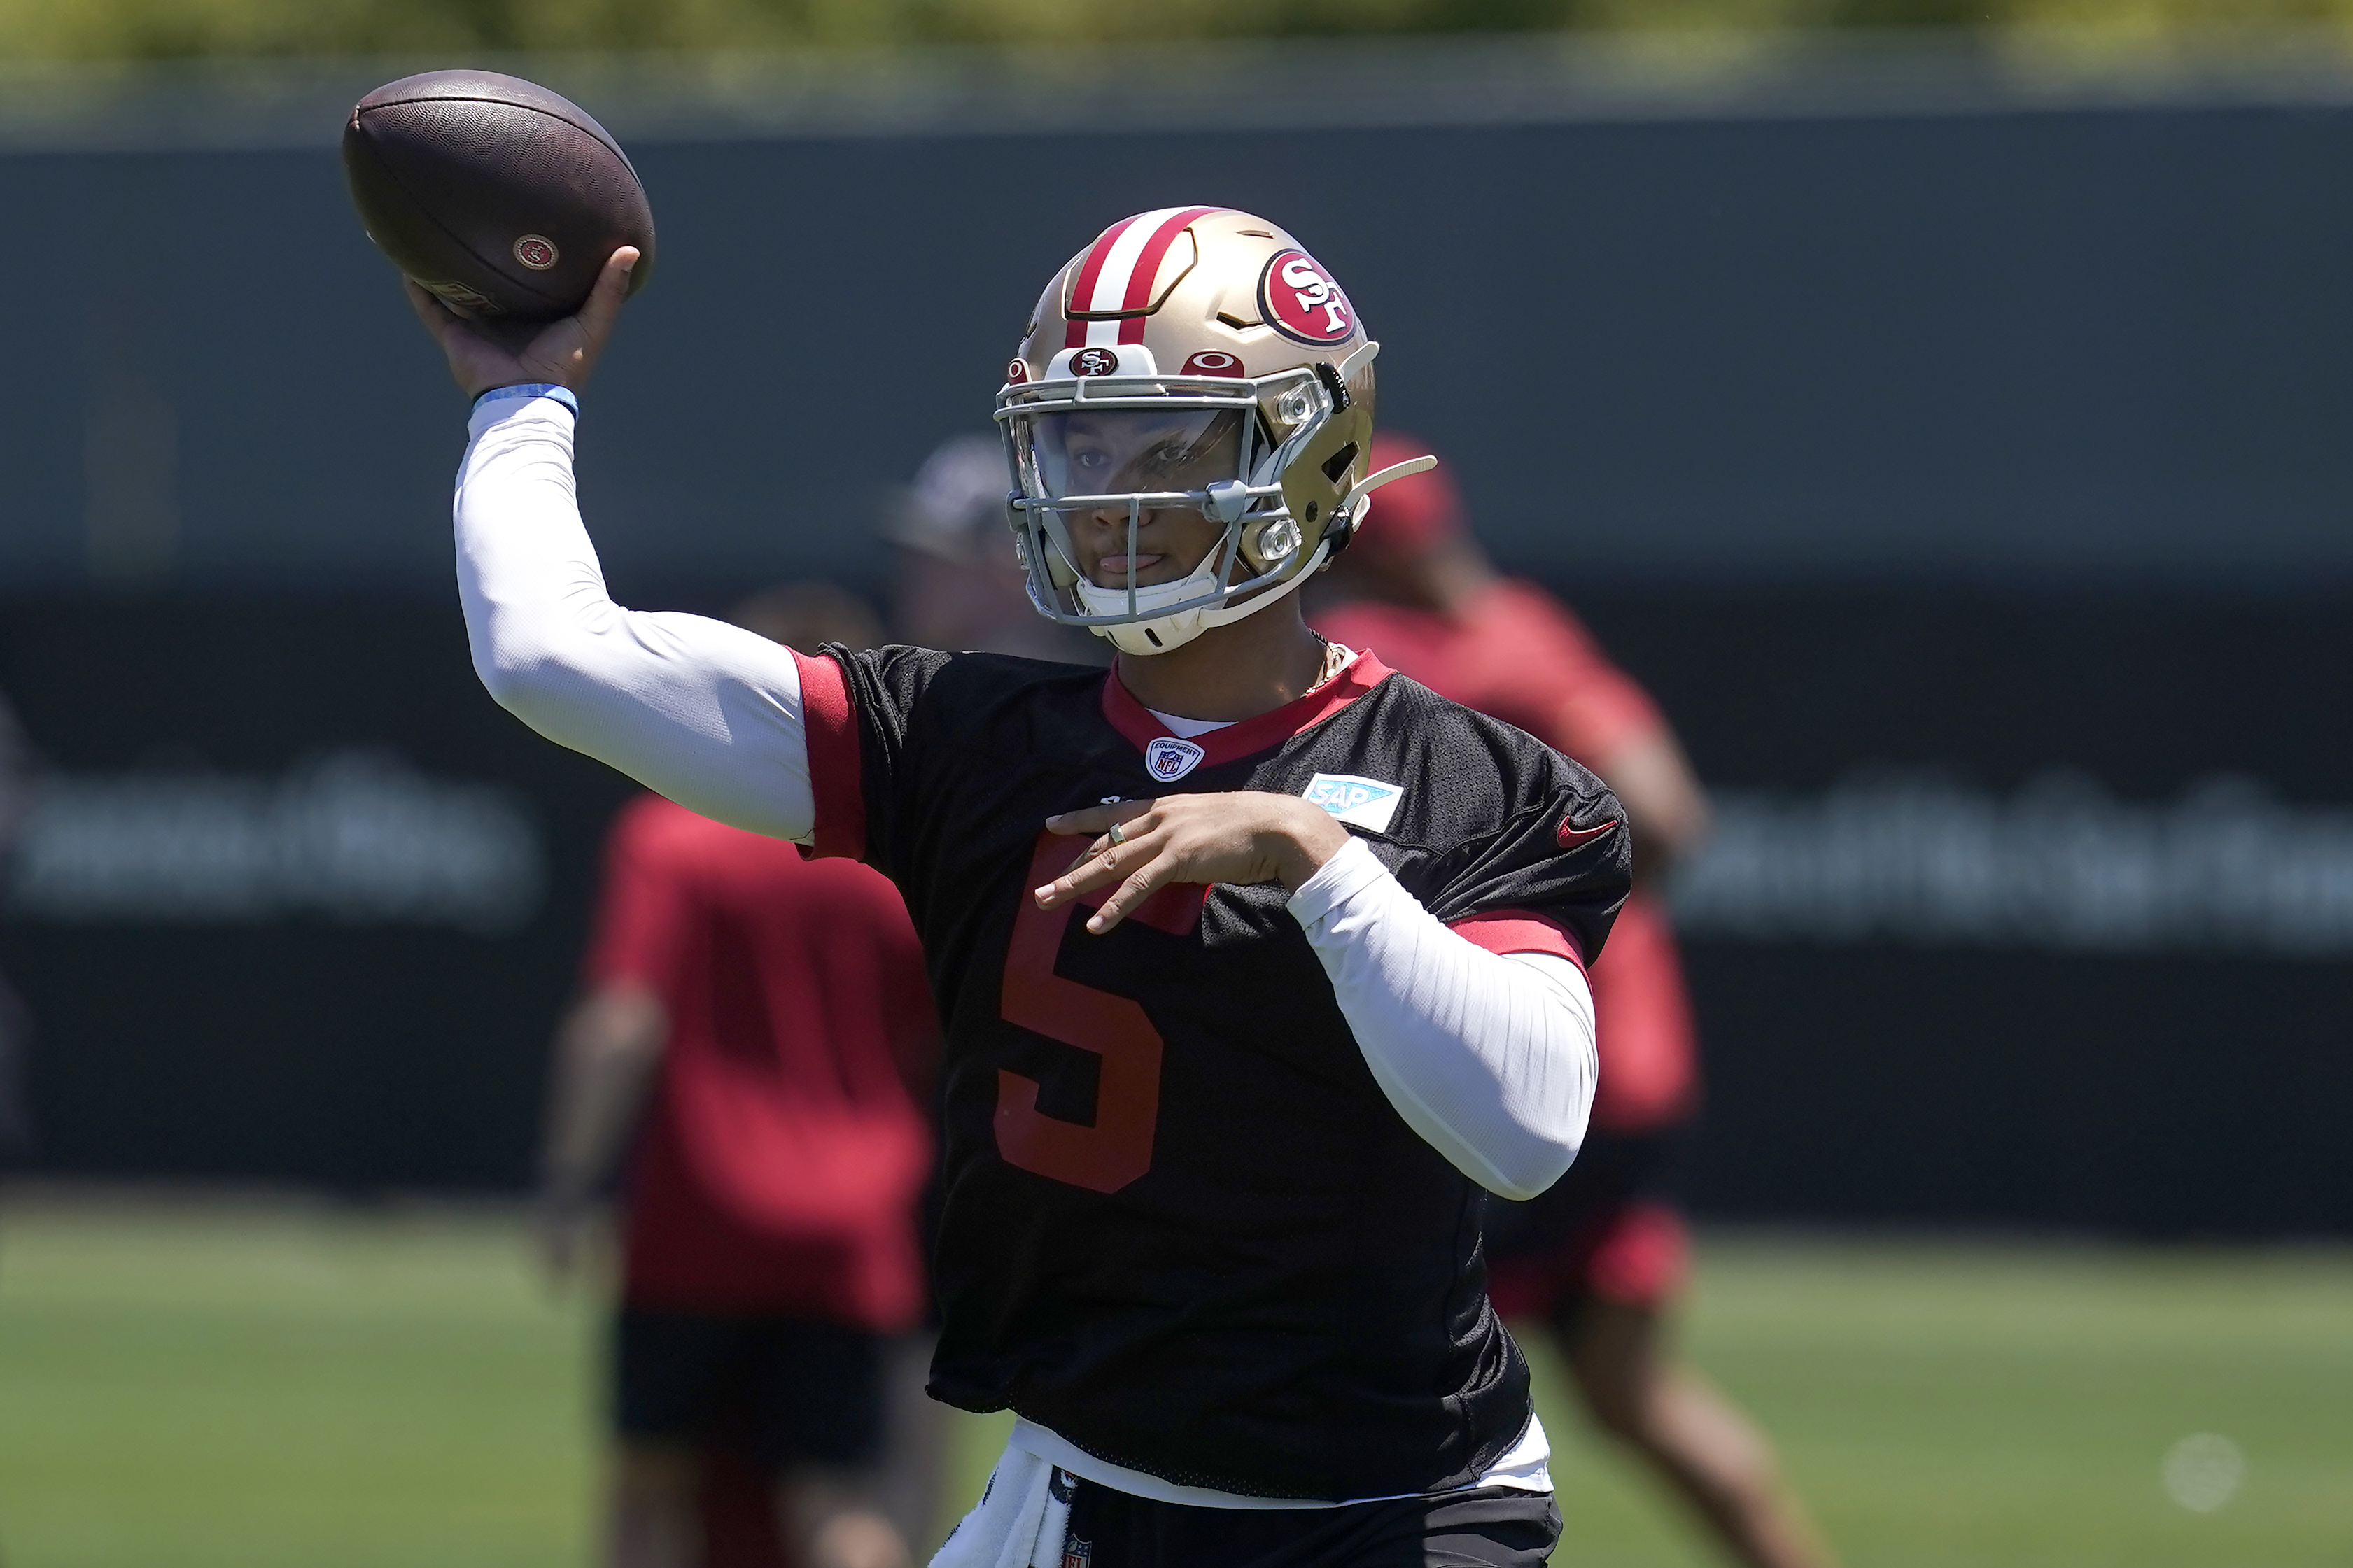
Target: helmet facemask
pixel 1217 448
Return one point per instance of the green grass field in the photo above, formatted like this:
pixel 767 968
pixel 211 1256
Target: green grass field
pixel 205 1386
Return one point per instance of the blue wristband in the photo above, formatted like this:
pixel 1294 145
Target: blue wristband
pixel 533 389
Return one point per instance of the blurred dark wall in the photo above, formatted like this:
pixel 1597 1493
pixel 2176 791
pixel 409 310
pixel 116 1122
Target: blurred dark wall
pixel 1985 443
pixel 284 1038
pixel 2073 345
pixel 2158 1091
pixel 2165 1088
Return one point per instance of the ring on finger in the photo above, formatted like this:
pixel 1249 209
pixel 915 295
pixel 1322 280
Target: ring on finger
pixel 1118 834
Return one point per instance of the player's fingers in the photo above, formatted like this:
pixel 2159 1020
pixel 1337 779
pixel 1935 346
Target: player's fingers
pixel 1120 834
pixel 1093 869
pixel 1097 818
pixel 612 288
pixel 1137 886
pixel 429 310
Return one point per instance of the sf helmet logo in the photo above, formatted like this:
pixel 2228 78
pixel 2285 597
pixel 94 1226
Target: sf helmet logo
pixel 1093 362
pixel 1299 299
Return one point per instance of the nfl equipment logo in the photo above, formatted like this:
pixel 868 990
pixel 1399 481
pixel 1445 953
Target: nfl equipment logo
pixel 1168 759
pixel 1077 1553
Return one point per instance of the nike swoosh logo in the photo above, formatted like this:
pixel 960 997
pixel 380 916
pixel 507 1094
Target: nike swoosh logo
pixel 1570 838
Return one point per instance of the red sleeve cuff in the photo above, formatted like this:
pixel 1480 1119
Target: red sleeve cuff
pixel 1517 930
pixel 835 760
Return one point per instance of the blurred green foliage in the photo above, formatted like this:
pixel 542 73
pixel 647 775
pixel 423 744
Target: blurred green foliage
pixel 97 29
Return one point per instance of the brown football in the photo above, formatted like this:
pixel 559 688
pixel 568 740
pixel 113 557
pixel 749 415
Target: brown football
pixel 502 197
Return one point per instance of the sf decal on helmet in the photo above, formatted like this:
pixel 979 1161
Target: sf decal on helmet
pixel 1195 359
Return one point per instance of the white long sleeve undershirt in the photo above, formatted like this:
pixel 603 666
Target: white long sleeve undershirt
pixel 1489 1059
pixel 706 713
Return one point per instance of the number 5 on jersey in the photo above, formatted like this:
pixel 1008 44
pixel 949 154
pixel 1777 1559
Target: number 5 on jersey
pixel 1117 1149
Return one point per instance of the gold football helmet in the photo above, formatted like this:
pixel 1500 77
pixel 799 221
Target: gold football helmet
pixel 1195 358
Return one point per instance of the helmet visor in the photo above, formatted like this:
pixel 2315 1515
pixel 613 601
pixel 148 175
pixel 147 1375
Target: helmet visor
pixel 1128 451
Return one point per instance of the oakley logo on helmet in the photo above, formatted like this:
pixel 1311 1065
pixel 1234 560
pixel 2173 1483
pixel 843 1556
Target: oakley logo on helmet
pixel 1168 759
pixel 1299 297
pixel 1212 362
pixel 1093 362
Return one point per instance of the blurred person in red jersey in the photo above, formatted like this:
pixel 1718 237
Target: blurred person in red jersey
pixel 1599 1258
pixel 958 584
pixel 758 1030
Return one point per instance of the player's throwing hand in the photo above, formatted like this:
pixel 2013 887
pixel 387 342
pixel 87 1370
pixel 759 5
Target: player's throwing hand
pixel 1246 837
pixel 564 352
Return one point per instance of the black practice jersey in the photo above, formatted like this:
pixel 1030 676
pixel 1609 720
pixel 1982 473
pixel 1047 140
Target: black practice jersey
pixel 1182 1226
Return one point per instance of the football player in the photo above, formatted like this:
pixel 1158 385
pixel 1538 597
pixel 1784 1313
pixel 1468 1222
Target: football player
pixel 1260 966
pixel 1599 1258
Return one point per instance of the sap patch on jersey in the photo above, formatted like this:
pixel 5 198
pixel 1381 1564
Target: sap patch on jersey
pixel 1367 803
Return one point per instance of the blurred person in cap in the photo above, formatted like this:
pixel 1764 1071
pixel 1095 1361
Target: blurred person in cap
pixel 1599 1258
pixel 759 1031
pixel 958 584
pixel 16 1026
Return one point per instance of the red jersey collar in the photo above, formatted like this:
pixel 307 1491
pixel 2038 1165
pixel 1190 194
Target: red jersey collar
pixel 1248 736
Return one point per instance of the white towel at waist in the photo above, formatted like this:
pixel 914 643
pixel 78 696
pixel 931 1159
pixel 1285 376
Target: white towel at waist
pixel 1020 1521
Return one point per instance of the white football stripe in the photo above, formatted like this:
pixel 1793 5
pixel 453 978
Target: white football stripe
pixel 1111 283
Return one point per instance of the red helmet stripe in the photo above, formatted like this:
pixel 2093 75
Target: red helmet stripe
pixel 1147 269
pixel 1082 290
pixel 1118 271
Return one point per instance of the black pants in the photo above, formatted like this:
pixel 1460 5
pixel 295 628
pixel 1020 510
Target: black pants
pixel 1494 1527
pixel 786 1389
